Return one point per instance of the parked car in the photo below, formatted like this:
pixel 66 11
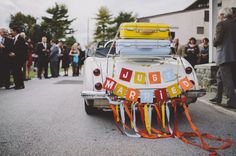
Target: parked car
pixel 138 63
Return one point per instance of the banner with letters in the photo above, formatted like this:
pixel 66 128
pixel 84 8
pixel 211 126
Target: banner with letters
pixel 146 96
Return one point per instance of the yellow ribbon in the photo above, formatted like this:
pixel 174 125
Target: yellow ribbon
pixel 147 122
pixel 131 112
pixel 117 112
pixel 163 115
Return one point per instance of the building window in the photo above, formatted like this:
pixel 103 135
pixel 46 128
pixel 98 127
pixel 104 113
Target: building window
pixel 206 16
pixel 200 30
pixel 172 34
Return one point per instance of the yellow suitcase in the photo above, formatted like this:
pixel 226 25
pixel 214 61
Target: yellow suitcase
pixel 144 31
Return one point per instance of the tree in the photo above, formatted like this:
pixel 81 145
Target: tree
pixel 70 41
pixel 25 22
pixel 58 25
pixel 121 18
pixel 104 20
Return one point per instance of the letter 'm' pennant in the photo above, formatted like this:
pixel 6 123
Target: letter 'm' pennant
pixel 109 84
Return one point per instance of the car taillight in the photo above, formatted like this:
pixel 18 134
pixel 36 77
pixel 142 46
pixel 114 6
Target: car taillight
pixel 188 70
pixel 192 82
pixel 96 72
pixel 98 86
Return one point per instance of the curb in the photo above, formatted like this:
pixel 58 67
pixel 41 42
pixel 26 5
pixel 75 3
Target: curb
pixel 227 111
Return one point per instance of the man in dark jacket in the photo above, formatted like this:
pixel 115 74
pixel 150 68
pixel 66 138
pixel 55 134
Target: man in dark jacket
pixel 6 45
pixel 224 42
pixel 19 55
pixel 43 57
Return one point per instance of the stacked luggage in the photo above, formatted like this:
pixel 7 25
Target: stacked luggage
pixel 141 39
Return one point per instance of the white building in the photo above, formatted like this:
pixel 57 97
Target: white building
pixel 191 21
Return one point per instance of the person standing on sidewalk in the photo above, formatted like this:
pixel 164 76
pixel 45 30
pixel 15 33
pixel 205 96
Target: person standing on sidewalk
pixel 6 45
pixel 55 51
pixel 74 53
pixel 43 57
pixel 65 59
pixel 19 56
pixel 224 42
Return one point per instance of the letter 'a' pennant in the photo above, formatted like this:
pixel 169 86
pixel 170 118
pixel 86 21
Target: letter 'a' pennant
pixel 120 90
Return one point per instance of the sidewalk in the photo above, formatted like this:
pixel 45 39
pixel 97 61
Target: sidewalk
pixel 205 99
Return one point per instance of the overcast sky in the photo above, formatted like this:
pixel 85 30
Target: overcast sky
pixel 85 10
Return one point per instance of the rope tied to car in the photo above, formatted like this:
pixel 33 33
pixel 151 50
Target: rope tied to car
pixel 161 110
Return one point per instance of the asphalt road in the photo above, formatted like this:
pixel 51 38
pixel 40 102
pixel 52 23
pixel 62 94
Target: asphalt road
pixel 48 119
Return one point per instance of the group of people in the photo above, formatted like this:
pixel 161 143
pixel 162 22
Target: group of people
pixel 225 44
pixel 53 54
pixel 13 53
pixel 194 53
pixel 17 55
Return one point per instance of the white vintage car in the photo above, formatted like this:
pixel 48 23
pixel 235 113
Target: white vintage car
pixel 106 63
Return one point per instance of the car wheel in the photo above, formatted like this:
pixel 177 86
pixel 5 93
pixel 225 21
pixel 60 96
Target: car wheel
pixel 89 109
pixel 179 110
pixel 194 100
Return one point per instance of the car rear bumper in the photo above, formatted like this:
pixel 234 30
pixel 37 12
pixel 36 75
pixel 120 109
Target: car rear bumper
pixel 92 95
pixel 196 93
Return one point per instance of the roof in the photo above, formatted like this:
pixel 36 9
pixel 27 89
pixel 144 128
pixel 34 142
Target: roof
pixel 192 5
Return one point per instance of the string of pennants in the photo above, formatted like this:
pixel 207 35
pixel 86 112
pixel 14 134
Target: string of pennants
pixel 146 96
pixel 161 106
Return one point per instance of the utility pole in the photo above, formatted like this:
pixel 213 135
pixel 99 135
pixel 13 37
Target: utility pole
pixel 88 32
pixel 213 13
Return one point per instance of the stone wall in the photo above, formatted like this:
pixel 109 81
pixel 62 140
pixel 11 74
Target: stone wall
pixel 206 74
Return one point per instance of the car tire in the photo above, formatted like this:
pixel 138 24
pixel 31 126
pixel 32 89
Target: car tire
pixel 179 110
pixel 89 109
